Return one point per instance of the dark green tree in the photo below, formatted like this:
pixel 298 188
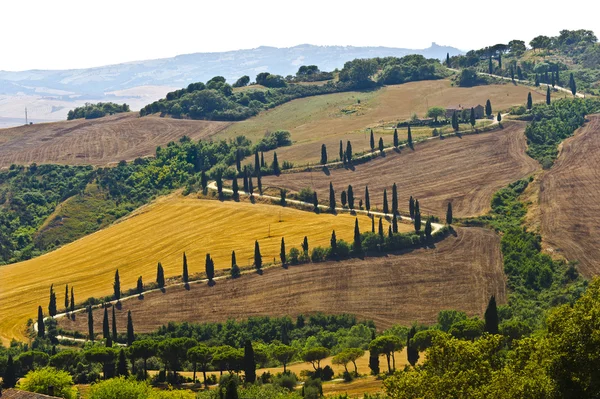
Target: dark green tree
pixel 282 252
pixel 130 333
pixel 256 164
pixel 344 198
pixel 117 286
pixel 342 156
pixel 114 325
pixel 367 199
pixel 245 181
pixel 394 224
pixel 396 141
pixel 160 276
pixel 548 95
pixel 185 276
pixel 372 141
pixel 472 117
pixel 235 188
pixel 411 207
pixel 357 241
pixel 52 302
pixel 417 221
pixel 449 213
pixel 557 76
pixel 9 378
pixel 250 187
pixel 40 323
pixel 490 66
pixel 331 198
pixel 282 195
pixel 500 61
pixel 350 197
pixel 140 286
pixel 455 122
pixel 386 208
pixel 488 108
pixel 257 257
pixel 349 152
pixel 381 228
pixel 238 160
pixel 231 390
pixel 381 144
pixel 90 323
pixel 323 154
pixel 428 229
pixel 448 60
pixel 315 202
pixel 572 84
pixel 235 269
pixel 374 362
pixel 512 73
pixel 275 164
pixel 209 267
pixel 372 225
pixel 259 184
pixel 519 73
pixel 122 370
pixel 537 80
pixel 105 325
pixel 417 209
pixel 249 363
pixel 72 300
pixel 305 245
pixel 409 139
pixel 262 160
pixel 529 101
pixel 333 243
pixel 553 80
pixel 395 211
pixel 491 317
pixel 412 353
pixel 67 298
pixel 390 232
pixel 499 117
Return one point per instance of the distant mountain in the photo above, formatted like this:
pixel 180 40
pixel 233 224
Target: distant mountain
pixel 49 94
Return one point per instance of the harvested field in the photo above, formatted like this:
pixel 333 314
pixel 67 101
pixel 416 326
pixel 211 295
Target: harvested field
pixel 97 141
pixel 570 210
pixel 327 119
pixel 461 272
pixel 161 232
pixel 466 171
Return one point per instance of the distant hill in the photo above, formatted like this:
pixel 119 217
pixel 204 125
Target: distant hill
pixel 49 94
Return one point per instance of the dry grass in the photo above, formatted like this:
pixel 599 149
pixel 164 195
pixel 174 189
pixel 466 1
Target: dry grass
pixel 98 141
pixel 466 171
pixel 161 232
pixel 570 210
pixel 327 119
pixel 461 272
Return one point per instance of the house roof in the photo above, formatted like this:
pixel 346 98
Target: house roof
pixel 18 394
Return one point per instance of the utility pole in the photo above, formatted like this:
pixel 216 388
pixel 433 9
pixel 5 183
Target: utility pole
pixel 26 122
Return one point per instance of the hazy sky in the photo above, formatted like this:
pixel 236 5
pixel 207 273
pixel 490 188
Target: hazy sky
pixel 62 34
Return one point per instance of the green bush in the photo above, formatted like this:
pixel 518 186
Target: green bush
pixel 293 256
pixel 40 381
pixel 318 254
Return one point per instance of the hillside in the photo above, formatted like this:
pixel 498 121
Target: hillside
pixel 327 119
pixel 570 211
pixel 459 273
pixel 161 232
pixel 97 141
pixel 466 171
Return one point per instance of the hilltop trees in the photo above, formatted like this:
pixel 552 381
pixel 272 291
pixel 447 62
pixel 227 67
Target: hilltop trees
pixel 117 286
pixel 257 257
pixel 331 198
pixel 160 276
pixel 40 323
pixel 386 208
pixel 130 333
pixel 367 199
pixel 357 240
pixel 488 108
pixel 185 276
pixel 572 84
pixel 52 302
pixel 491 317
pixel 323 154
pixel 209 267
pixel 387 345
pixel 529 101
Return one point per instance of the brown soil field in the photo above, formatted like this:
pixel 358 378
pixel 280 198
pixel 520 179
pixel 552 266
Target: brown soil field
pixel 98 141
pixel 466 171
pixel 460 272
pixel 570 210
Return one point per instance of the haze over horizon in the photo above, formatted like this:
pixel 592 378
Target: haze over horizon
pixel 130 31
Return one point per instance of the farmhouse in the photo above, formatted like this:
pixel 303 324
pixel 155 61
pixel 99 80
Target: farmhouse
pixel 479 110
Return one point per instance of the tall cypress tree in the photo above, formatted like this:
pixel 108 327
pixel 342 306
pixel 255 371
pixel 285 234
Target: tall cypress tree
pixel 548 95
pixel 349 152
pixel 386 208
pixel 160 276
pixel 449 213
pixel 282 255
pixel 500 61
pixel 114 325
pixel 305 245
pixel 259 184
pixel 417 221
pixel 72 300
pixel 209 268
pixel 472 117
pixel 372 225
pixel 333 243
pixel 396 141
pixel 553 79
pixel 122 370
pixel 342 157
pixel 537 80
pixel 275 164
pixel 238 160
pixel 40 322
pixel 529 101
pixel 257 257
pixel 344 198
pixel 390 232
pixel 350 197
pixel 105 325
pixel 572 84
pixel 323 154
pixel 374 362
pixel 357 240
pixel 455 121
pixel 130 333
pixel 488 108
pixel 417 209
pixel 219 180
pixel 90 323
pixel 262 160
pixel 67 298
pixel 409 140
pixel 499 117
pixel 235 270
pixel 428 229
pixel 411 207
pixel 185 276
pixel 331 198
pixel 9 379
pixel 256 164
pixel 52 302
pixel 282 195
pixel 203 180
pixel 245 179
pixel 395 200
pixel 235 188
pixel 372 141
pixel 490 66
pixel 394 224
pixel 249 363
pixel 491 317
pixel 512 73
pixel 557 76
pixel 315 202
pixel 140 286
pixel 448 60
pixel 546 80
pixel 412 352
pixel 367 199
pixel 381 148
pixel 250 186
pixel 381 228
pixel 117 286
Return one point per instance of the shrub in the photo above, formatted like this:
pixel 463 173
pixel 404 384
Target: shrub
pixel 288 381
pixel 40 381
pixel 343 249
pixel 318 254
pixel 293 256
pixel 306 195
pixel 347 376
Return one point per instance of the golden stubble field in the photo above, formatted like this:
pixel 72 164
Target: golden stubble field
pixel 161 232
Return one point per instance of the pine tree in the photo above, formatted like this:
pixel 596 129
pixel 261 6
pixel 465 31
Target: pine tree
pixel 160 276
pixel 90 323
pixel 40 323
pixel 249 363
pixel 572 84
pixel 282 255
pixel 130 333
pixel 344 199
pixel 411 207
pixel 381 228
pixel 122 370
pixel 455 121
pixel 350 197
pixel 258 256
pixel 548 95
pixel 395 200
pixel 491 317
pixel 9 379
pixel 117 286
pixel 417 221
pixel 372 141
pixel 203 180
pixel 374 362
pixel 499 117
pixel 412 352
pixel 209 268
pixel 349 152
pixel 409 139
pixel 488 108
pixel 238 160
pixel 331 198
pixel 529 101
pixel 394 224
pixel 262 160
pixel 448 60
pixel 490 66
pixel 67 298
pixel 114 325
pixel 449 213
pixel 52 302
pixel 323 154
pixel 386 208
pixel 315 202
pixel 72 300
pixel 342 157
pixel 105 325
pixel 333 243
pixel 140 286
pixel 381 144
pixel 428 229
pixel 185 276
pixel 235 188
pixel 275 164
pixel 472 117
pixel 367 199
pixel 396 141
pixel 357 241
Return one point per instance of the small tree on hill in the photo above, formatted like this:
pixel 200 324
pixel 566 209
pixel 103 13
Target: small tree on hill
pixel 529 101
pixel 114 325
pixel 235 189
pixel 455 121
pixel 282 194
pixel 372 225
pixel 140 286
pixel 209 267
pixel 90 323
pixel 491 317
pixel 411 207
pixel 160 276
pixel 250 187
pixel 249 363
pixel 117 286
pixel 238 160
pixel 349 152
pixel 490 66
pixel 472 117
pixel 184 275
pixel 342 156
pixel 548 95
pixel 394 224
pixel 52 302
pixel 333 243
pixel 381 144
pixel 488 108
pixel 67 298
pixel 105 325
pixel 537 80
pixel 409 139
pixel 519 73
pixel 219 181
pixel 396 140
pixel 344 199
pixel 257 257
pixel 412 353
pixel 262 160
pixel 350 197
pixel 331 198
pixel 72 300
pixel 499 117
pixel 512 73
pixel 130 333
pixel 9 379
pixel 235 269
pixel 386 208
pixel 357 239
pixel 315 202
pixel 256 164
pixel 390 232
pixel 372 141
pixel 40 323
pixel 245 173
pixel 304 245
pixel 367 199
pixel 395 200
pixel 500 61
pixel 417 221
pixel 203 180
pixel 374 361
pixel 323 154
pixel 449 213
pixel 381 228
pixel 275 164
pixel 122 370
pixel 428 229
pixel 282 252
pixel 448 60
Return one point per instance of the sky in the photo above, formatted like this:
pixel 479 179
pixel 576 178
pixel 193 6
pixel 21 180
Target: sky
pixel 67 34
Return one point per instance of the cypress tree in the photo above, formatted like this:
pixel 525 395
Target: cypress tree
pixel 342 157
pixel 72 300
pixel 428 229
pixel 572 84
pixel 499 117
pixel 117 286
pixel 259 184
pixel 231 391
pixel 323 154
pixel 245 179
pixel 203 180
pixel 40 322
pixel 344 199
pixel 417 209
pixel 372 225
pixel 367 199
pixel 67 298
pixel 249 363
pixel 114 325
pixel 282 255
pixel 386 208
pixel 491 317
pixel 396 141
pixel 235 188
pixel 256 164
pixel 238 160
pixel 160 276
pixel 357 241
pixel 349 151
pixel 185 276
pixel 557 76
pixel 411 352
pixel 331 198
pixel 455 121
pixel 250 186
pixel 381 228
pixel 130 333
pixel 372 141
pixel 275 164
pixel 490 66
pixel 411 207
pixel 537 80
pixel 374 362
pixel 448 60
pixel 122 370
pixel 548 95
pixel 140 286
pixel 394 224
pixel 381 144
pixel 350 197
pixel 305 245
pixel 90 323
pixel 52 302
pixel 395 200
pixel 529 101
pixel 235 270
pixel 9 379
pixel 519 73
pixel 209 268
pixel 417 221
pixel 219 185
pixel 553 80
pixel 546 80
pixel 500 61
pixel 105 325
pixel 258 257
pixel 512 73
pixel 409 140
pixel 315 201
pixel 333 243
pixel 472 117
pixel 282 194
pixel 488 108
pixel 390 233
pixel 449 213
pixel 262 160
